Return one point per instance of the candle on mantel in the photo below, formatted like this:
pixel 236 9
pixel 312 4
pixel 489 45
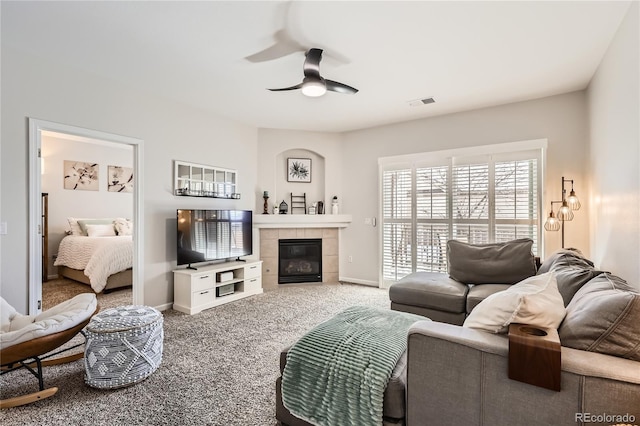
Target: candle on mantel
pixel 266 194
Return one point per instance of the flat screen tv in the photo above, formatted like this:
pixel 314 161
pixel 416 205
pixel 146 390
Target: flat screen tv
pixel 210 235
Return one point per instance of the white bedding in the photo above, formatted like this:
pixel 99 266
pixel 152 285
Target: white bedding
pixel 99 257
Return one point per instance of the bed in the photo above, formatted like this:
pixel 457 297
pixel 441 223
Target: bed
pixel 104 263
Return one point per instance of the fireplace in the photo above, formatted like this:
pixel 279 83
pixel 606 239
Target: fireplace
pixel 299 260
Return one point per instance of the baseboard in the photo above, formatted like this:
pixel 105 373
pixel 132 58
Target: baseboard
pixel 358 281
pixel 164 307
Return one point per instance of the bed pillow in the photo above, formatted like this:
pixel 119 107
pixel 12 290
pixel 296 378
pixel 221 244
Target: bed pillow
pixel 74 227
pixel 535 301
pixel 101 231
pixel 84 222
pixel 123 226
pixel 497 263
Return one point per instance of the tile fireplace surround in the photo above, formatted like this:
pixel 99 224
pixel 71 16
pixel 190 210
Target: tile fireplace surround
pixel 271 228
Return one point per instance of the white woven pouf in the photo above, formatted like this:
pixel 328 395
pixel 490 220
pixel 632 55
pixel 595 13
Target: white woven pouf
pixel 124 346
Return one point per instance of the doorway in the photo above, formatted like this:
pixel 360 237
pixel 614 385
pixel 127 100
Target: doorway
pixel 37 130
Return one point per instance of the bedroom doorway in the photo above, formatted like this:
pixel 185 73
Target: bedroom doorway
pixel 40 130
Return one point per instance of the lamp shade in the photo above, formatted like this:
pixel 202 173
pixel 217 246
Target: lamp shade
pixel 572 201
pixel 564 212
pixel 552 223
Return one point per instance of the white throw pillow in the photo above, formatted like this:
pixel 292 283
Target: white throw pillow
pixel 123 226
pixel 101 231
pixel 74 226
pixel 78 226
pixel 535 301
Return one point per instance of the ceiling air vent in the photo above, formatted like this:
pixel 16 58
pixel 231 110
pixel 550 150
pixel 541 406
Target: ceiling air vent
pixel 418 102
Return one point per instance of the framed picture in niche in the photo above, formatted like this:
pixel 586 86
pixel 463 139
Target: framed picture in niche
pixel 299 170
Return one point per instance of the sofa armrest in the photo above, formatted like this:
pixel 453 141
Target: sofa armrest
pixel 488 342
pixel 457 375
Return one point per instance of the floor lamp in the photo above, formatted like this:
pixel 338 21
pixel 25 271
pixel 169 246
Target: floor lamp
pixel 556 221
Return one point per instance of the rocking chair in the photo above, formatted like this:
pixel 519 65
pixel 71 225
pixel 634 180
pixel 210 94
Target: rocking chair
pixel 28 341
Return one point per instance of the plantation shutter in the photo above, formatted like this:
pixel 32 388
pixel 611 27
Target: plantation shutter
pixel 470 195
pixel 479 199
pixel 432 218
pixel 516 205
pixel 397 217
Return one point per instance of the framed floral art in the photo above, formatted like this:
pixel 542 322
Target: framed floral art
pixel 299 170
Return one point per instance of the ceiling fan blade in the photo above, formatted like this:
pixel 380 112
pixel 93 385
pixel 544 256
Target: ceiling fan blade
pixel 311 65
pixel 284 45
pixel 297 86
pixel 334 86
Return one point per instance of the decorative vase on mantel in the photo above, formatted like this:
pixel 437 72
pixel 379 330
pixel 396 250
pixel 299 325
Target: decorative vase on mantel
pixel 334 205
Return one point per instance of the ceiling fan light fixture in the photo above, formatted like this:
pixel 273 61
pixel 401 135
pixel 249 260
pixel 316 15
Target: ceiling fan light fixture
pixel 313 88
pixel 313 84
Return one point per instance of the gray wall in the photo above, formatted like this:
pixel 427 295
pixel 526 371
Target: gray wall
pixel 170 130
pixel 614 154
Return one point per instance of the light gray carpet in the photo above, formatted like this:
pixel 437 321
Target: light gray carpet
pixel 219 367
pixel 61 289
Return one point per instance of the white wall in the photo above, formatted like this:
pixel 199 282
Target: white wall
pixel 170 130
pixel 614 154
pixel 64 203
pixel 314 190
pixel 560 119
pixel 325 150
pixel 50 91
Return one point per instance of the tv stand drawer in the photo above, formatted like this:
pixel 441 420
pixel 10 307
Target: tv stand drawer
pixel 202 282
pixel 203 297
pixel 253 270
pixel 253 284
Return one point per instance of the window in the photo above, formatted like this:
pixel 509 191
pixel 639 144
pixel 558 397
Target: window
pixel 428 199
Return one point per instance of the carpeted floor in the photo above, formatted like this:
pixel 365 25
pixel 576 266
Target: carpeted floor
pixel 59 290
pixel 219 367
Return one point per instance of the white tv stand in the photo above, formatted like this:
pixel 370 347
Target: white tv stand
pixel 199 289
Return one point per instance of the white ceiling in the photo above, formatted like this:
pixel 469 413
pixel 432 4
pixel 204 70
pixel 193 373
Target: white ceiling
pixel 466 55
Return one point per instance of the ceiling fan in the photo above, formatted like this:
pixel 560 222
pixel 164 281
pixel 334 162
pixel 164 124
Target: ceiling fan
pixel 313 84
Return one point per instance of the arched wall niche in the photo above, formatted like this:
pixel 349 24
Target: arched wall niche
pixel 314 190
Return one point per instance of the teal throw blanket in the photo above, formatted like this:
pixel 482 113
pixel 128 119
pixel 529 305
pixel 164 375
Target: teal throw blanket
pixel 336 374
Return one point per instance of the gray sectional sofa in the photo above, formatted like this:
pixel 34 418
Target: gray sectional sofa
pixel 475 272
pixel 455 375
pixel 459 375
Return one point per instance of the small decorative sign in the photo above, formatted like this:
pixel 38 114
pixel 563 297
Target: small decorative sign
pixel 299 170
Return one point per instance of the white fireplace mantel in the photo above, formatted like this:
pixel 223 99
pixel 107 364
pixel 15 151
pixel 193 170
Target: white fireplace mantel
pixel 301 220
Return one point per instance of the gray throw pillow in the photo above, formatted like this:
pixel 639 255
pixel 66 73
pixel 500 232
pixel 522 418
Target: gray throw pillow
pixel 603 317
pixel 571 279
pixel 497 263
pixel 572 271
pixel 572 255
